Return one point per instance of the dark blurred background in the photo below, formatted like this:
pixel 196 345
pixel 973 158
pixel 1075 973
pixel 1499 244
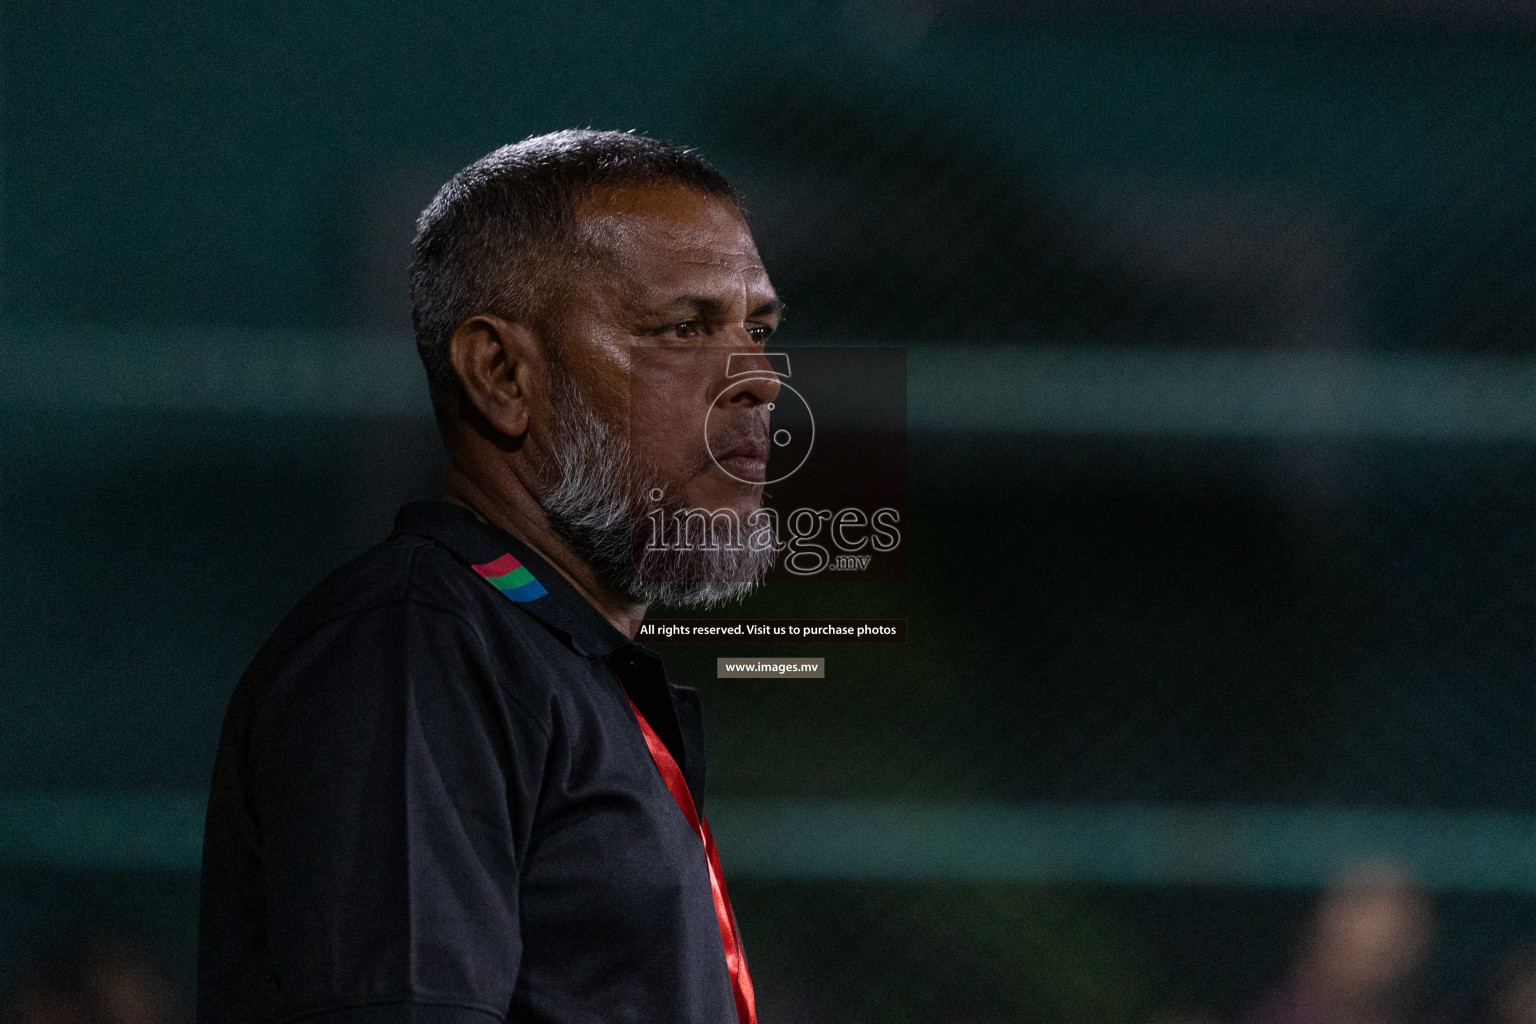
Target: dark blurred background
pixel 1217 702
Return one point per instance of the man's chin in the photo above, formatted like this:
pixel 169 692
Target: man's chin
pixel 695 594
pixel 702 578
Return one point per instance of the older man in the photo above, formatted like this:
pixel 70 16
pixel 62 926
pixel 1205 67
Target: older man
pixel 452 786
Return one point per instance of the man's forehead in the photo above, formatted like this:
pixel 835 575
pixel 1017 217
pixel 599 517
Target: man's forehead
pixel 662 235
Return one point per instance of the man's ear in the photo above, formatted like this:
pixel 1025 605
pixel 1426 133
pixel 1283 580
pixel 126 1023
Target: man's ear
pixel 495 362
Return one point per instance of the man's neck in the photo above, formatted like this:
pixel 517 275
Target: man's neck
pixel 514 510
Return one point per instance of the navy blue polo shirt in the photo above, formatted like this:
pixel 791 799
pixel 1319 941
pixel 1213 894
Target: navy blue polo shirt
pixel 432 803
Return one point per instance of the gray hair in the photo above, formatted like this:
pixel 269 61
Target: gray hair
pixel 498 236
pixel 599 501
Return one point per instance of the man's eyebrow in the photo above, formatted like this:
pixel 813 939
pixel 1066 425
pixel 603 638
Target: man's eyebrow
pixel 773 307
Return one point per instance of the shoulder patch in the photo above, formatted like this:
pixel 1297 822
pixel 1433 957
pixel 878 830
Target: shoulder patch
pixel 512 578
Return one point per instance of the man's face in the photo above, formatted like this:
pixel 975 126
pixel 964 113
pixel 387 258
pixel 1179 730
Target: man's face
pixel 678 289
pixel 663 394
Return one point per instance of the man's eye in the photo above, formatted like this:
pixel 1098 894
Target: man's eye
pixel 686 329
pixel 760 332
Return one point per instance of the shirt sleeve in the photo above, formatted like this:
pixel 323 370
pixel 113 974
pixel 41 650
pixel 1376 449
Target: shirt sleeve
pixel 393 787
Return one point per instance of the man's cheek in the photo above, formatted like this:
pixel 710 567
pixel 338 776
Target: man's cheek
pixel 659 454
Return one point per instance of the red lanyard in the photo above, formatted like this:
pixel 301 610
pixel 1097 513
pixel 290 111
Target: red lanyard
pixel 741 982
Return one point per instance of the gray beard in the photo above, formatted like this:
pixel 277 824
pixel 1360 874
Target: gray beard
pixel 599 505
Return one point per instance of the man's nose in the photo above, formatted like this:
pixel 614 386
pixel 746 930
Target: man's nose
pixel 751 379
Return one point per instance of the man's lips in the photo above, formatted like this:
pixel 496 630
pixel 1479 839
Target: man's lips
pixel 745 460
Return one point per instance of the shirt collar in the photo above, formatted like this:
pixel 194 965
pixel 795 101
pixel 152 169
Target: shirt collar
pixel 513 568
